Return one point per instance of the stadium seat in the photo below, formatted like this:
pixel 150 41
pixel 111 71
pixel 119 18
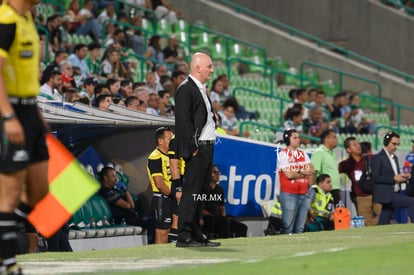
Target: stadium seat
pixel 312 74
pixel 183 37
pixel 76 234
pixel 182 26
pixel 119 231
pixel 218 51
pixel 204 41
pixel 98 209
pixel 163 27
pixel 256 57
pixel 236 50
pixel 72 234
pixel 147 25
pixel 293 77
pixel 330 87
pixel 109 232
pixel 279 62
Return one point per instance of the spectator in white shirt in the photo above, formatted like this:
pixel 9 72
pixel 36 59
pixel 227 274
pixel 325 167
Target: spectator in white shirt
pixel 49 90
pixel 153 104
pixel 108 13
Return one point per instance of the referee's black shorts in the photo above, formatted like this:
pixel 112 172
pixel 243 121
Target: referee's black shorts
pixel 15 157
pixel 161 206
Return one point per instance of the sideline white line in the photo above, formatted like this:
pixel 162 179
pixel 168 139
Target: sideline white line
pixel 308 253
pixel 103 265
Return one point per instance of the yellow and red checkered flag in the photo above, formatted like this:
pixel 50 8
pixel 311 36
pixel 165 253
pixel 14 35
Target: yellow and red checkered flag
pixel 70 186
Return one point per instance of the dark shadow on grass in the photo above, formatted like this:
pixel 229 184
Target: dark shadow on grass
pixel 211 249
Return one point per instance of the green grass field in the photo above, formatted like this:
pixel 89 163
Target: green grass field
pixel 370 250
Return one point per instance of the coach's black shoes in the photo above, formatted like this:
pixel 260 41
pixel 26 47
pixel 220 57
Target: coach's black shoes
pixel 188 243
pixel 192 243
pixel 206 242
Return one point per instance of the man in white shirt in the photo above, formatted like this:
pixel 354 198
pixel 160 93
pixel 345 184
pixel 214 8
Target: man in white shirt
pixel 388 180
pixel 153 104
pixel 160 71
pixel 49 90
pixel 108 13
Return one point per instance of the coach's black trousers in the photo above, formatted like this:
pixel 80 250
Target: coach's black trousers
pixel 196 180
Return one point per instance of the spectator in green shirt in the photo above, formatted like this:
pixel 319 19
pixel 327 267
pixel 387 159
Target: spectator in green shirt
pixel 325 162
pixel 94 49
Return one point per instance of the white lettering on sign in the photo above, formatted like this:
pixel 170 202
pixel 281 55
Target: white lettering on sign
pixel 258 182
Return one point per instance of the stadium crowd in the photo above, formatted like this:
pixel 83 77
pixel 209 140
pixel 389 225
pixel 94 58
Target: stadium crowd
pixel 121 65
pixel 312 112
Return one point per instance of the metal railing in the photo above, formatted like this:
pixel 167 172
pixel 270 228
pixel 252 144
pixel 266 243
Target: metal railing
pixel 381 102
pixel 398 107
pixel 272 72
pixel 195 29
pixel 341 74
pixel 282 101
pixel 377 99
pixel 243 125
pixel 318 41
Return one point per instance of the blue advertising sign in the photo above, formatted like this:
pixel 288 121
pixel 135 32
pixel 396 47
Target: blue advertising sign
pixel 248 174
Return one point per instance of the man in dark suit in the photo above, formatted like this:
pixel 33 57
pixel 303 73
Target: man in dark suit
pixel 388 180
pixel 195 134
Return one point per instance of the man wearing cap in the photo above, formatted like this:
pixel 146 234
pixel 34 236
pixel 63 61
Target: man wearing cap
pixel 89 25
pixel 89 87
